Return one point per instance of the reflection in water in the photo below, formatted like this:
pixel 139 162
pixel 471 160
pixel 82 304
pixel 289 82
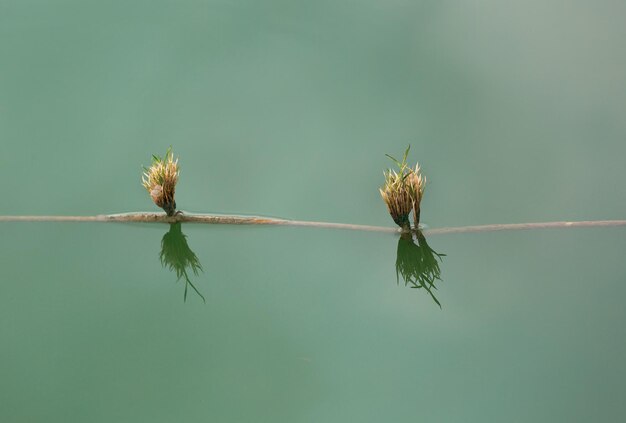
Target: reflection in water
pixel 417 263
pixel 176 254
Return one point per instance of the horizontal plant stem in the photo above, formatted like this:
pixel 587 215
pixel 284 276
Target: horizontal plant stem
pixel 256 220
pixel 523 226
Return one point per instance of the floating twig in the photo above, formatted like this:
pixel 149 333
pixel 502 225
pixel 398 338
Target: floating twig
pixel 226 219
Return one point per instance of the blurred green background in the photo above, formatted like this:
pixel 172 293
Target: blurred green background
pixel 515 111
pixel 286 108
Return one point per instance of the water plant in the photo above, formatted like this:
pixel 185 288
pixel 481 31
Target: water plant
pixel 160 181
pixel 417 263
pixel 178 257
pixel 403 191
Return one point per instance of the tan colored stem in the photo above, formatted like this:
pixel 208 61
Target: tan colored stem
pixel 522 226
pixel 256 220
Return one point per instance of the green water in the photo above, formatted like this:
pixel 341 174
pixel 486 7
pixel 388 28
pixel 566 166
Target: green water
pixel 515 111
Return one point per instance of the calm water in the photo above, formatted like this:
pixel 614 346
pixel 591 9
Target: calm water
pixel 515 111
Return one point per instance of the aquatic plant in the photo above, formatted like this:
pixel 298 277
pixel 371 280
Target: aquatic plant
pixel 178 257
pixel 396 195
pixel 160 181
pixel 403 191
pixel 418 264
pixel 417 183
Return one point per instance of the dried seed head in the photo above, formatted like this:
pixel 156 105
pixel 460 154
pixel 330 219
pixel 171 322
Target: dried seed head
pixel 157 195
pixel 417 184
pixel 160 181
pixel 397 196
pixel 403 191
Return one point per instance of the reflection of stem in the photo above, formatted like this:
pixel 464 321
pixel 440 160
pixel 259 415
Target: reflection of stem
pixel 256 220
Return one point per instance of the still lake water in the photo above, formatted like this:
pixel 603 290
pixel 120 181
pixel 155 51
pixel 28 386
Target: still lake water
pixel 515 111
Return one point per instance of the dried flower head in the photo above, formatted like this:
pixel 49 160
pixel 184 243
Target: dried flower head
pixel 397 196
pixel 417 184
pixel 160 181
pixel 403 191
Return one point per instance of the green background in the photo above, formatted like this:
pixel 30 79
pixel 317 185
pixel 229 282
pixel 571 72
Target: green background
pixel 515 111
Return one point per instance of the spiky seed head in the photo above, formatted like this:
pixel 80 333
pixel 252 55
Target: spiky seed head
pixel 397 196
pixel 403 191
pixel 160 181
pixel 157 195
pixel 417 184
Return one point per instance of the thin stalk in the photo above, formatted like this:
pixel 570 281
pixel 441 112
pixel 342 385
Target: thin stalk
pixel 258 220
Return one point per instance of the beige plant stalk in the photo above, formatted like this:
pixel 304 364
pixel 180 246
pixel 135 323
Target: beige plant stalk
pixel 160 181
